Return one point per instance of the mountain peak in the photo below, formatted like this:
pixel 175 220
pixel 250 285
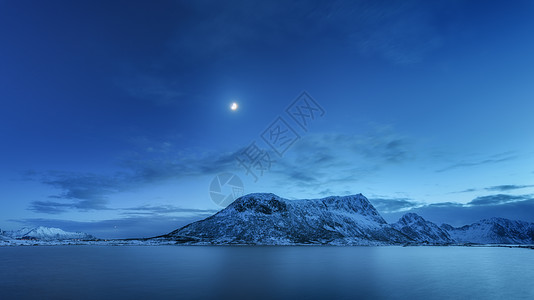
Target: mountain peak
pixel 421 230
pixel 411 218
pixel 259 196
pixel 265 203
pixel 268 203
pixel 357 203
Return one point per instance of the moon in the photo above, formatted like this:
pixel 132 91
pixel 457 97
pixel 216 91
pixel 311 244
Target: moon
pixel 233 106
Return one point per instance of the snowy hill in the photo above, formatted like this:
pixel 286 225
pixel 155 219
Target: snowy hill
pixel 46 234
pixel 421 230
pixel 266 219
pixel 493 231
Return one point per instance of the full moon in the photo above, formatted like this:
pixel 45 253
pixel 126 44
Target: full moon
pixel 233 106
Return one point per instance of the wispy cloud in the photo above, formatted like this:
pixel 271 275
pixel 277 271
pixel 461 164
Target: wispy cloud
pixel 518 207
pixel 498 199
pixel 315 159
pixel 446 204
pixel 498 158
pixel 401 33
pixel 497 188
pixel 127 227
pixel 508 187
pixel 78 191
pixel 465 191
pixel 53 207
pixel 333 158
pixel 139 221
pixel 164 209
pixel 88 191
pixel 390 205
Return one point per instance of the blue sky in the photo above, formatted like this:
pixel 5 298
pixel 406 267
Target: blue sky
pixel 115 115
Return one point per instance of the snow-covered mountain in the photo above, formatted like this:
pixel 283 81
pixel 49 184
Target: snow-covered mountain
pixel 421 230
pixel 45 234
pixel 3 236
pixel 266 219
pixel 493 231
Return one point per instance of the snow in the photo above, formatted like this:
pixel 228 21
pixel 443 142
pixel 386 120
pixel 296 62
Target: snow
pixel 421 230
pixel 267 219
pixel 494 231
pixel 44 234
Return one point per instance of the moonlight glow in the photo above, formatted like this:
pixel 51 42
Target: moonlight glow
pixel 233 106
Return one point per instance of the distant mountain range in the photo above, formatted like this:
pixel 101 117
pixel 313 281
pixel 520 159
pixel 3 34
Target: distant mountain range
pixel 266 219
pixel 493 231
pixel 44 234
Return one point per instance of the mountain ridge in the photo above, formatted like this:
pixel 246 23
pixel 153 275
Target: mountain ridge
pixel 267 219
pixel 44 234
pixel 494 230
pixel 421 230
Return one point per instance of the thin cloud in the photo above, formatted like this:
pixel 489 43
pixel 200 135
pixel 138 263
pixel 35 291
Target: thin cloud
pixel 466 191
pixel 52 207
pixel 328 158
pixel 498 199
pixel 390 205
pixel 88 191
pixel 128 227
pixel 166 209
pixel 457 214
pixel 316 160
pixel 496 188
pixel 507 187
pixel 503 157
pixel 401 33
pixel 445 204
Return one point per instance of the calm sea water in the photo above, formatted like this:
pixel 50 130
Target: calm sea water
pixel 192 272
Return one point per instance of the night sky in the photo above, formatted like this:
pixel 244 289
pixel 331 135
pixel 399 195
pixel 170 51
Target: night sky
pixel 115 115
